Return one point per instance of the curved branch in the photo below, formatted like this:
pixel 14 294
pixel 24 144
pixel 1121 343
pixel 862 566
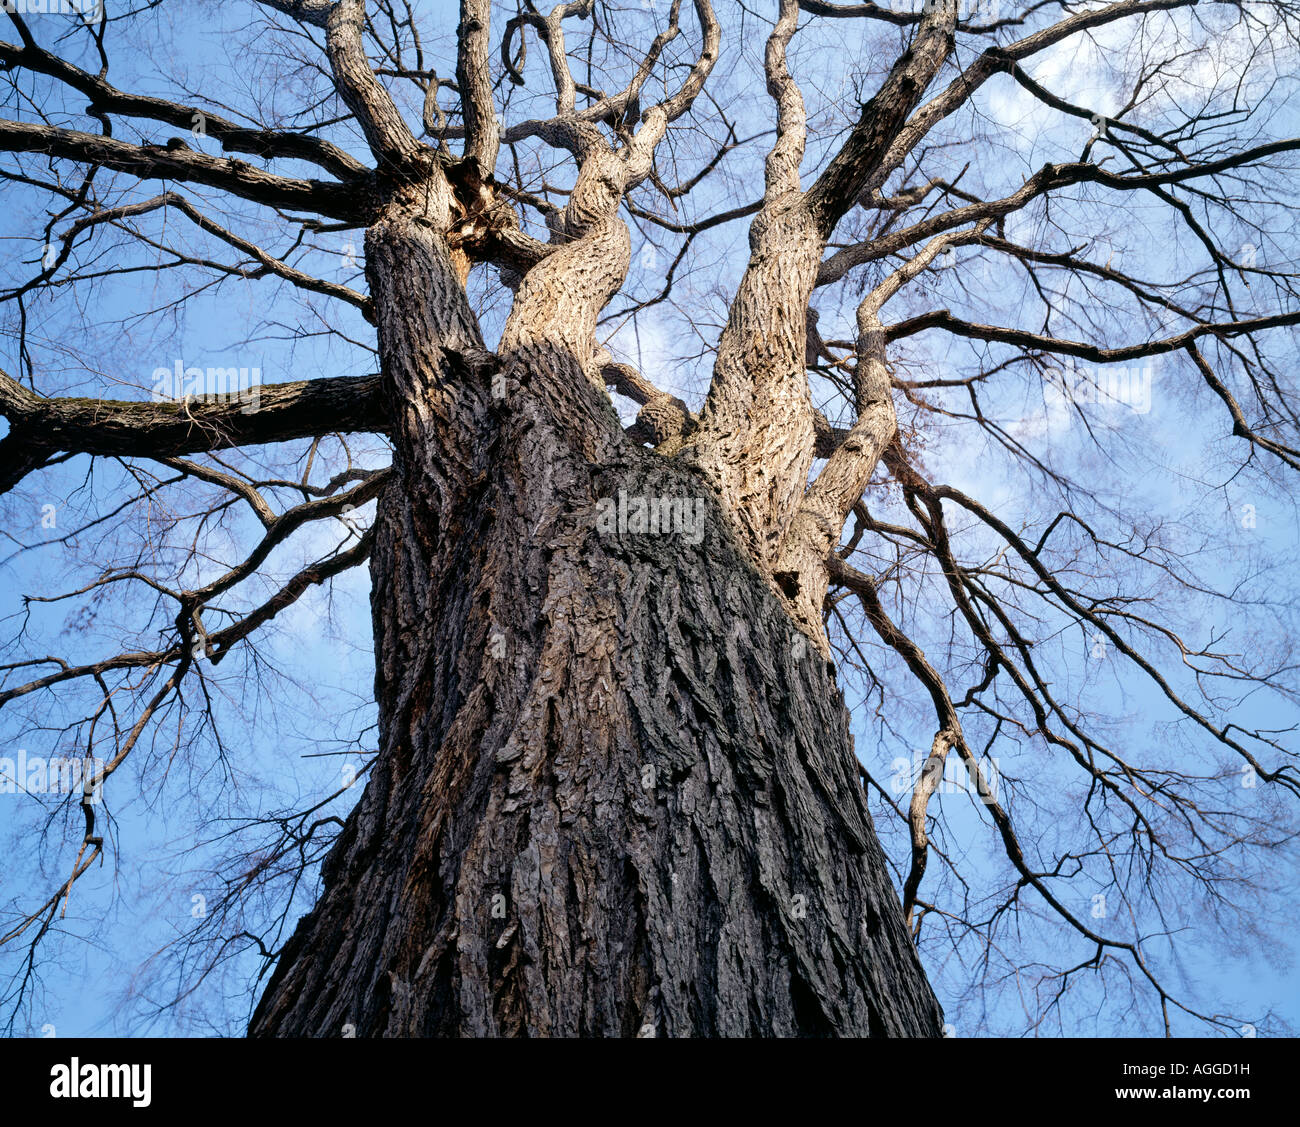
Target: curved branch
pixel 387 134
pixel 107 99
pixel 179 162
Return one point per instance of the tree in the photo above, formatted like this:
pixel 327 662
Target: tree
pixel 612 787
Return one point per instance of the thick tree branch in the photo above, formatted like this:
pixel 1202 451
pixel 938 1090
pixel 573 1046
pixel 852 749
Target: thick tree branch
pixel 107 99
pixel 856 168
pixel 156 162
pixel 40 427
pixel 474 78
pixel 998 59
pixel 387 134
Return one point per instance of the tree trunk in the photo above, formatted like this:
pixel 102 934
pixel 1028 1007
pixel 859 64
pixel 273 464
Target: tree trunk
pixel 615 791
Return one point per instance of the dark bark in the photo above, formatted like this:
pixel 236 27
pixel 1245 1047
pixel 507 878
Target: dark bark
pixel 39 427
pixel 105 98
pixel 627 660
pixel 615 789
pixel 183 165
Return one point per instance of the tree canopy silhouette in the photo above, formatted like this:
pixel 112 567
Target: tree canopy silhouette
pixel 719 403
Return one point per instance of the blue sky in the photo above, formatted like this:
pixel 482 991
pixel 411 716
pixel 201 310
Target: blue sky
pixel 296 721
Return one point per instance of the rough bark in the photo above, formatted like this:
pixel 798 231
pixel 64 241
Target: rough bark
pixel 653 785
pixel 110 427
pixel 615 791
